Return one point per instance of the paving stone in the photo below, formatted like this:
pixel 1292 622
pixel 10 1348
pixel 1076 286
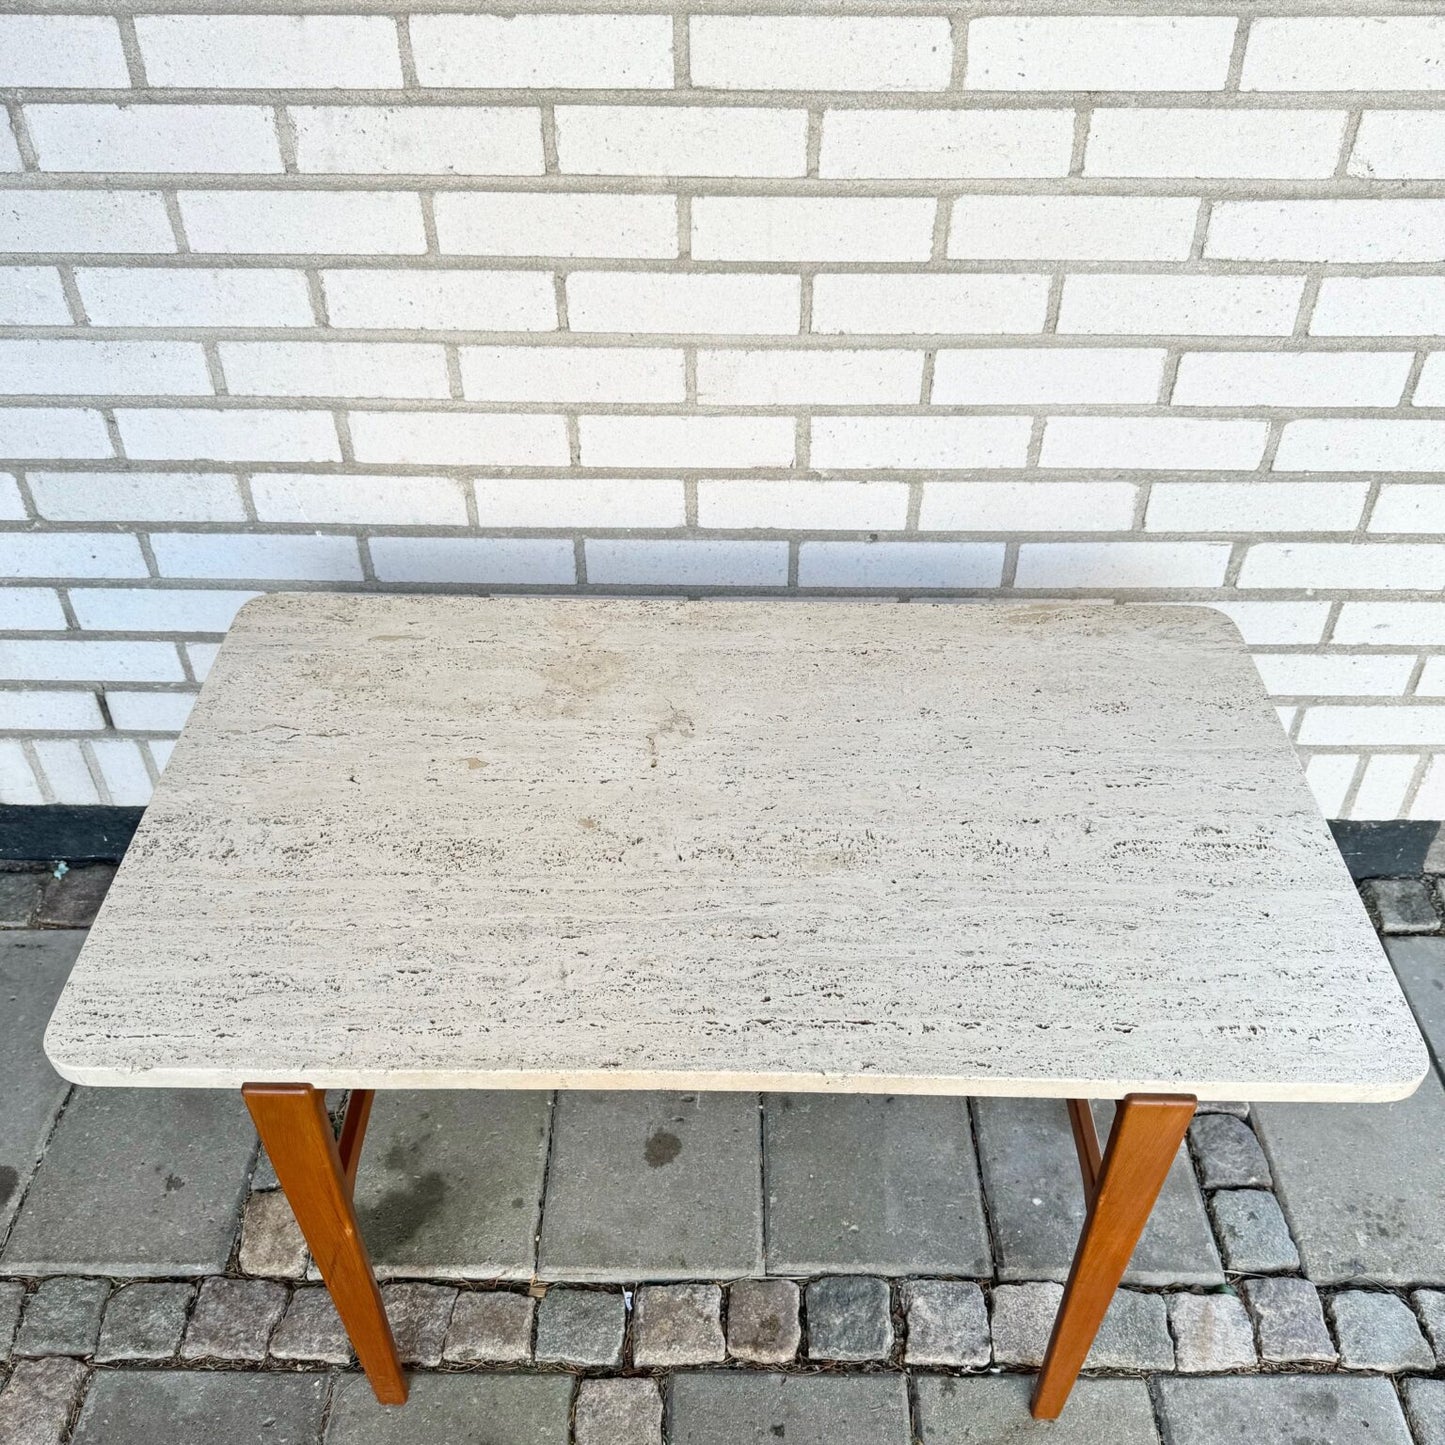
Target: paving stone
pixel 271 1240
pixel 1403 905
pixel 1253 1234
pixel 1134 1335
pixel 201 1407
pixel 1429 1303
pixel 19 897
pixel 1280 1410
pixel 263 1177
pixel 62 1317
pixel 947 1323
pixel 233 1319
pixel 994 1410
pixel 849 1318
pixel 1425 1407
pixel 580 1327
pixel 36 1402
pixel 754 1407
pixel 12 1297
pixel 1218 1106
pixel 1378 1331
pixel 144 1322
pixel 678 1324
pixel 465 1409
pixel 763 1323
pixel 490 1327
pixel 618 1412
pixel 1420 966
pixel 1290 1322
pixel 1365 1201
pixel 1228 1153
pixel 872 1184
pixel 419 1315
pixel 1036 1200
pixel 137 1182
pixel 311 1331
pixel 451 1181
pixel 1212 1333
pixel 33 970
pixel 652 1186
pixel 72 901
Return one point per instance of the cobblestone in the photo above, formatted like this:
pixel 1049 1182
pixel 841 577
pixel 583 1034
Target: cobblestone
pixel 1429 1304
pixel 947 1324
pixel 763 1324
pixel 1403 905
pixel 19 897
pixel 74 900
pixel 62 1317
pixel 1290 1320
pixel 849 1318
pixel 1134 1335
pixel 678 1324
pixel 1212 1333
pixel 1228 1153
pixel 36 1402
pixel 144 1322
pixel 493 1327
pixel 271 1240
pixel 1425 1405
pixel 580 1327
pixel 311 1331
pixel 12 1297
pixel 233 1319
pixel 419 1315
pixel 618 1412
pixel 1253 1235
pixel 1378 1331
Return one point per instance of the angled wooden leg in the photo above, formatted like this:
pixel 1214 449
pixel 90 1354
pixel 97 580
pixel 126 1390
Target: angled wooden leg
pixel 353 1132
pixel 1086 1145
pixel 292 1122
pixel 1147 1132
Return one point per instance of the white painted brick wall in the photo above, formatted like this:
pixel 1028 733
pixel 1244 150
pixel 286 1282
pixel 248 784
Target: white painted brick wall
pixel 1085 301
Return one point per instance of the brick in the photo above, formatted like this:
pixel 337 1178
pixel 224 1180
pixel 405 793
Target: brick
pixel 1405 52
pixel 580 1327
pixel 473 559
pixel 135 496
pixel 1373 726
pixel 37 710
pixel 1384 786
pixel 904 565
pixel 279 557
pixel 521 51
pixel 1329 776
pixel 1068 228
pixel 85 221
pixel 212 434
pixel 1432 678
pixel 61 50
pixel 797 228
pixel 12 506
pixel 478 439
pixel 1180 305
pixel 64 766
pixel 1121 564
pixel 1212 1333
pixel 418 140
pixel 135 609
pixel 922 305
pixel 802 505
pixel 947 1324
pixel 17 779
pixel 1026 376
pixel 1391 623
pixel 32 296
pixel 124 368
pixel 33 661
pixel 70 554
pixel 946 143
pixel 311 1330
pixel 310 52
pixel 36 1404
pixel 9 152
pixel 32 609
pixel 195 296
pixel 1403 905
pixel 1430 389
pixel 1252 1233
pixel 572 373
pixel 111 138
pixel 637 140
pixel 441 300
pixel 763 1326
pixel 731 52
pixel 1133 141
pixel 149 712
pixel 1378 1331
pixel 631 301
pixel 1027 507
pixel 355 223
pixel 913 442
pixel 687 441
pixel 144 1322
pixel 677 1324
pixel 1429 801
pixel 1281 379
pixel 490 1327
pixel 553 502
pixel 683 564
pixel 361 500
pixel 1326 676
pixel 1335 230
pixel 1098 52
pixel 1361 445
pixel 618 1412
pixel 1399 144
pixel 849 1318
pixel 1153 442
pixel 62 1317
pixel 233 1319
pixel 1255 506
pixel 831 377
pixel 334 368
pixel 523 223
pixel 1379 306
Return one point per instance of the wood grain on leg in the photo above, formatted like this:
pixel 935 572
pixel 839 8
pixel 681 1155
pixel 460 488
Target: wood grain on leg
pixel 353 1132
pixel 292 1122
pixel 1147 1132
pixel 1086 1144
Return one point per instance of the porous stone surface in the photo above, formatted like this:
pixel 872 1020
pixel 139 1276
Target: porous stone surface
pixel 1403 905
pixel 580 1327
pixel 946 1322
pixel 762 1407
pixel 489 1326
pixel 1425 1405
pixel 311 1331
pixel 1280 1410
pixel 36 1402
pixel 73 900
pixel 455 1409
pixel 144 1321
pixel 1378 1331
pixel 763 1323
pixel 271 1240
pixel 678 1324
pixel 1290 1321
pixel 233 1319
pixel 12 1297
pixel 1134 1334
pixel 618 1412
pixel 1254 1237
pixel 994 1410
pixel 62 1317
pixel 1228 1153
pixel 1429 1305
pixel 1212 1333
pixel 849 1318
pixel 419 1315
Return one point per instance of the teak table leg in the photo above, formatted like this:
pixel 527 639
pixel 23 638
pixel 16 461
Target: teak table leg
pixel 292 1122
pixel 1147 1132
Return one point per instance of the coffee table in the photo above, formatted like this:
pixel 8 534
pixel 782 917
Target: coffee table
pixel 464 842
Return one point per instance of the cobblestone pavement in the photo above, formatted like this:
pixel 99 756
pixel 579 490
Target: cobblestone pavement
pixel 615 1269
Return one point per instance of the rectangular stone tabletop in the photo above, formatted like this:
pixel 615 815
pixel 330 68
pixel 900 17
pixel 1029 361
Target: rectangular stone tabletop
pixel 423 841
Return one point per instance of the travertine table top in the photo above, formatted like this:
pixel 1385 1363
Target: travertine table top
pixel 450 842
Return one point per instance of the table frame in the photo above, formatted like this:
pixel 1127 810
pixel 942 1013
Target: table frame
pixel 317 1170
